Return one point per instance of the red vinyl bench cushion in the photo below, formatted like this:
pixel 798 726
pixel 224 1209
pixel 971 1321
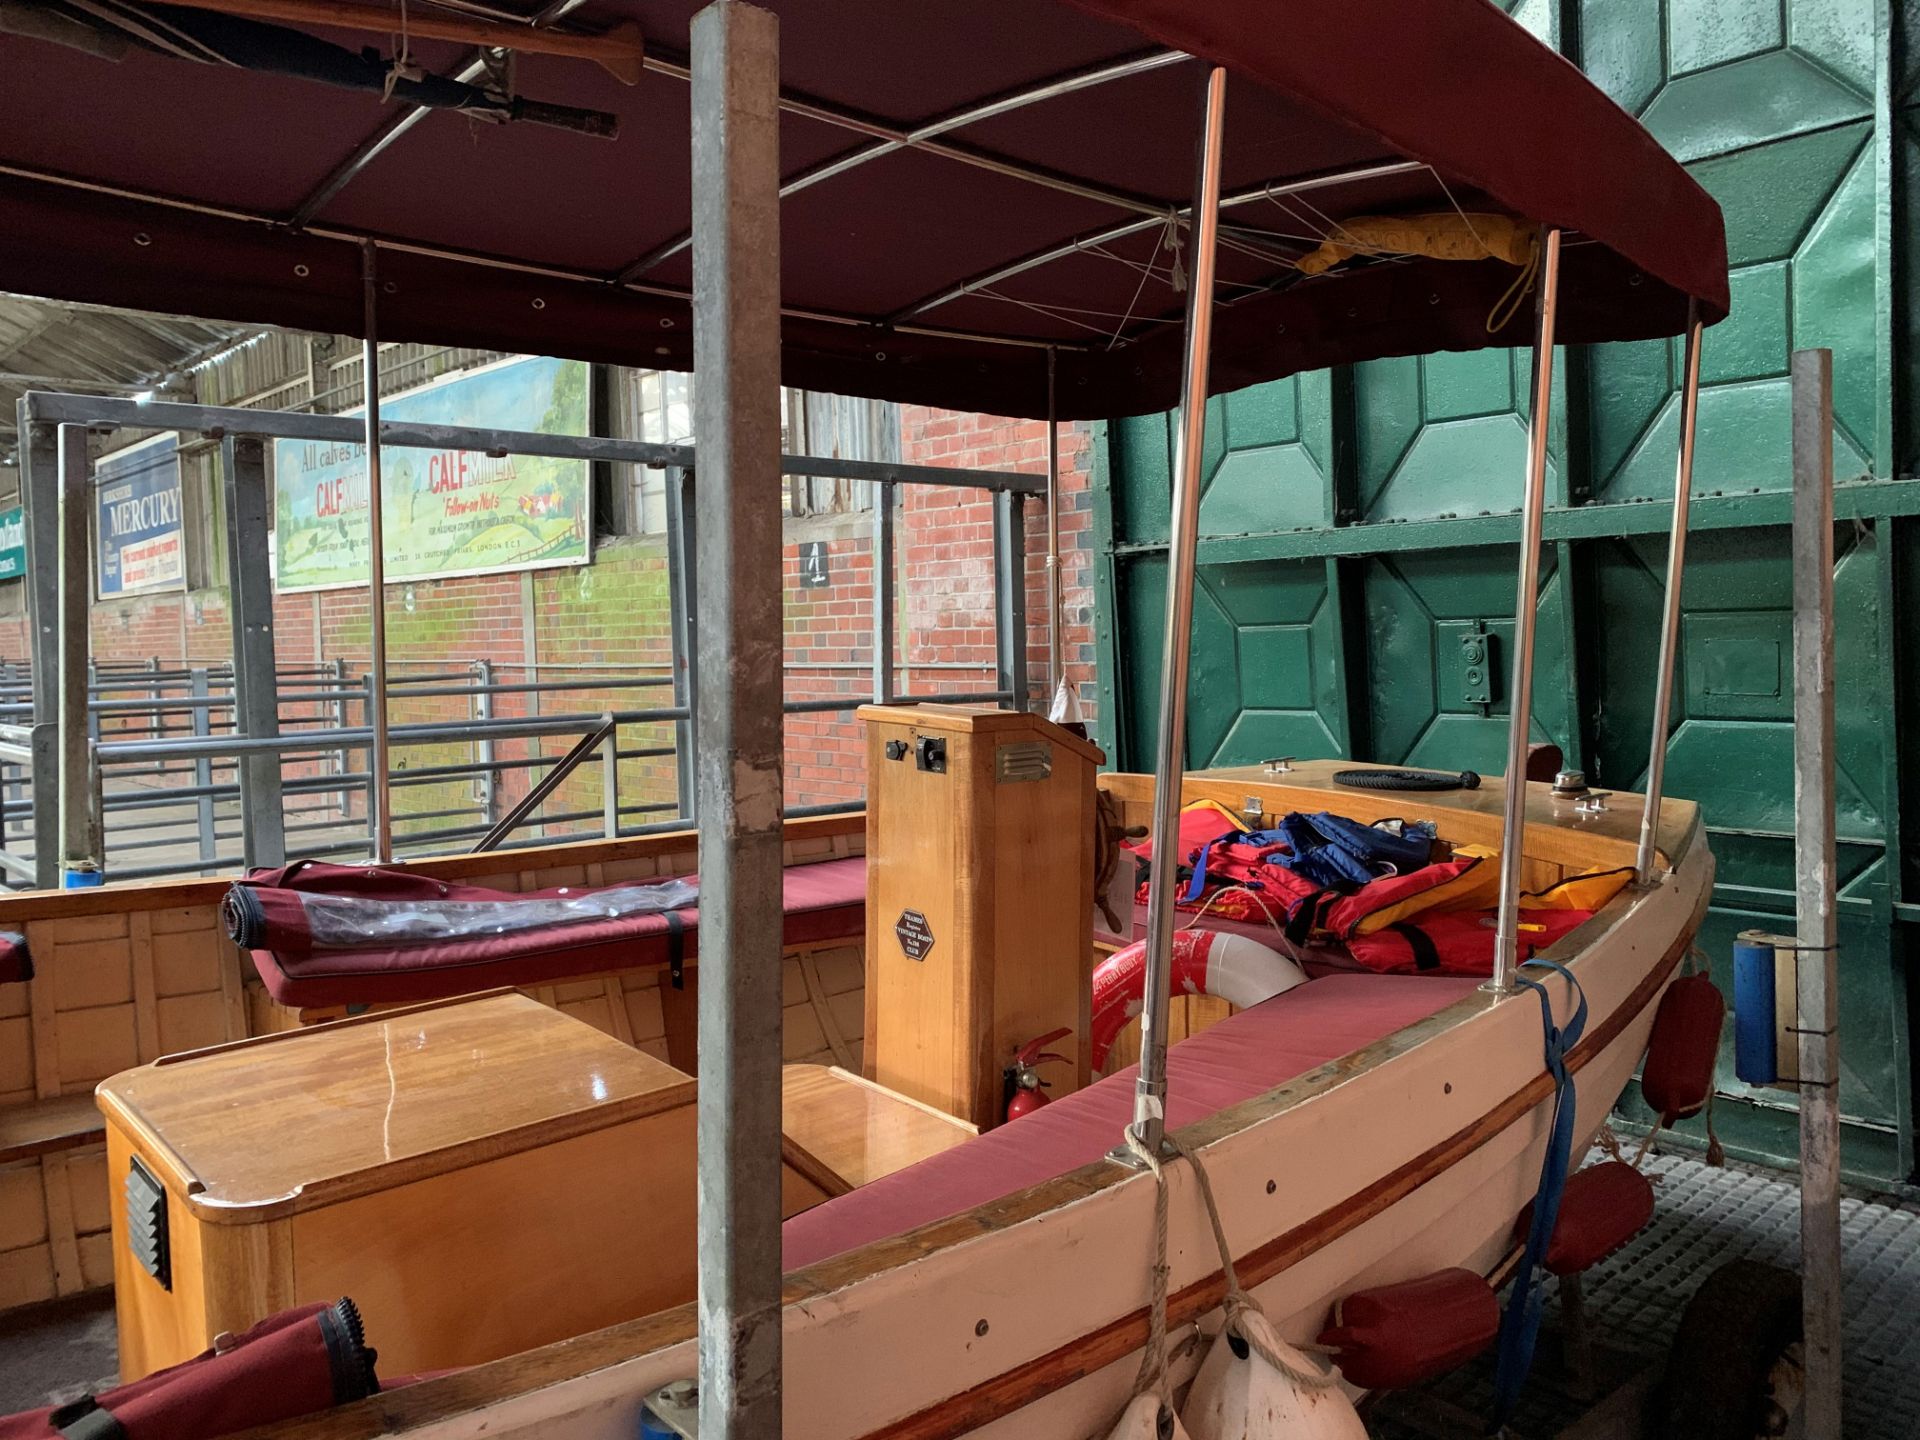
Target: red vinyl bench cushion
pixel 1243 1056
pixel 824 902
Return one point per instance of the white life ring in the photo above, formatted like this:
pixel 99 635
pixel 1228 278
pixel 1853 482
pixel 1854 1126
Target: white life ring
pixel 1240 971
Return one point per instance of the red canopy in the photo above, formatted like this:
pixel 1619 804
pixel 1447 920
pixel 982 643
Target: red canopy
pixel 932 273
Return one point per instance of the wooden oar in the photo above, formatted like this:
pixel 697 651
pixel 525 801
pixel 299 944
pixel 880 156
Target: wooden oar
pixel 620 51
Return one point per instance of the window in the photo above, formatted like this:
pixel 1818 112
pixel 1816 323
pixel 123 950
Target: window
pixel 657 406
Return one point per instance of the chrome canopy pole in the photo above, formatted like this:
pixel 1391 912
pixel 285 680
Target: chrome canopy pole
pixel 1670 617
pixel 1506 949
pixel 1055 663
pixel 1150 1089
pixel 379 798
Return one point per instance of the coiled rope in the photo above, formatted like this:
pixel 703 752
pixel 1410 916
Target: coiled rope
pixel 1152 1379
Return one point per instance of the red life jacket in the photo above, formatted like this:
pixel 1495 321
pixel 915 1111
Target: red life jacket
pixel 1456 942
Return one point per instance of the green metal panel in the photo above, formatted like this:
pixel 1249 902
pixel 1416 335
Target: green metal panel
pixel 1358 527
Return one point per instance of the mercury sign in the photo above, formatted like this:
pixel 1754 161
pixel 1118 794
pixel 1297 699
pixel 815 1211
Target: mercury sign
pixel 141 543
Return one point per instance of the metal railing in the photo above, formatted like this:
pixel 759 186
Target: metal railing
pixel 176 763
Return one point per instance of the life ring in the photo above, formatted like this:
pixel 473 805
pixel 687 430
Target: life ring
pixel 1240 971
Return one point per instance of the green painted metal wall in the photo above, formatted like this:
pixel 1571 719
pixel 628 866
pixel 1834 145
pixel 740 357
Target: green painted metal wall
pixel 1359 526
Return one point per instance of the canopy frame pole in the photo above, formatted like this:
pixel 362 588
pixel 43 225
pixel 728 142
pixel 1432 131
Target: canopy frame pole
pixel 738 760
pixel 1056 671
pixel 1506 950
pixel 1644 860
pixel 379 796
pixel 1150 1088
pixel 1816 961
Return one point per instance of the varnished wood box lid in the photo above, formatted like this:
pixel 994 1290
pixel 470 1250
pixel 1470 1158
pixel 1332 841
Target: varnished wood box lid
pixel 295 1121
pixel 935 718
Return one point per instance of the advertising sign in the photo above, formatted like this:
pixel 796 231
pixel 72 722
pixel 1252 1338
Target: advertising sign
pixel 452 512
pixel 13 543
pixel 140 543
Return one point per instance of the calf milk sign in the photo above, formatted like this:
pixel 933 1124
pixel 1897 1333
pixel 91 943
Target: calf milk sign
pixel 140 541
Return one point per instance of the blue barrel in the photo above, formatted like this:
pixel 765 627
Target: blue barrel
pixel 82 875
pixel 1756 1059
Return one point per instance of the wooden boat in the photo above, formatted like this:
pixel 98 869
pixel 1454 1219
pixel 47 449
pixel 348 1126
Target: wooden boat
pixel 1359 1129
pixel 1454 1106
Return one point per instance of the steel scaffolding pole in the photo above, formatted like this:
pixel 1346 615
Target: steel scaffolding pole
pixel 81 847
pixel 1816 961
pixel 256 685
pixel 1150 1088
pixel 1506 949
pixel 736 346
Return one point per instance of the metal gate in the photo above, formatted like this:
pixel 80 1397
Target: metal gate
pixel 1355 583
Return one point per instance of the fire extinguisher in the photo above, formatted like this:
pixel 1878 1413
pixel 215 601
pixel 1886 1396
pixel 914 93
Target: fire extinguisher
pixel 1026 1091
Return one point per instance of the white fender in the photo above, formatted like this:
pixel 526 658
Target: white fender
pixel 1236 1399
pixel 1141 1421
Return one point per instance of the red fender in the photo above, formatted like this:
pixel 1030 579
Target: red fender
pixel 1240 971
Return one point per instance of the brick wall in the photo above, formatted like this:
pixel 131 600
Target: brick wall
pixel 610 620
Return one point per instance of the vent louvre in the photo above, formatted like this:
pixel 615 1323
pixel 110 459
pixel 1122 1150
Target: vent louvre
pixel 147 1223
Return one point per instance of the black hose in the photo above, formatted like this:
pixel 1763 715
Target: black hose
pixel 1407 779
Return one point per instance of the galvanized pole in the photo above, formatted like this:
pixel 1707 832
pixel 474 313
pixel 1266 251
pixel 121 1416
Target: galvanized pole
pixel 1506 950
pixel 1010 597
pixel 1150 1088
pixel 81 859
pixel 1055 670
pixel 40 492
pixel 1670 616
pixel 256 679
pixel 1817 959
pixel 736 347
pixel 884 594
pixel 379 798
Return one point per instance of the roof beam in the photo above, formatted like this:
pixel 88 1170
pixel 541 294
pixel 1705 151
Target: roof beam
pixel 1181 215
pixel 920 136
pixel 398 124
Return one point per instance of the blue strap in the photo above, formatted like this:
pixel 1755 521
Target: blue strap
pixel 1199 881
pixel 1520 1324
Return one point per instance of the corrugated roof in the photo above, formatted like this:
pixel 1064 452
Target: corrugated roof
pixel 56 345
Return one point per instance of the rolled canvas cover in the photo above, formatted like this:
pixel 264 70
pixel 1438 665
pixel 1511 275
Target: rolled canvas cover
pixel 325 934
pixel 295 1363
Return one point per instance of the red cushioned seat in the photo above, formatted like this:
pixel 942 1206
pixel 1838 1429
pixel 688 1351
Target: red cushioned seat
pixel 1243 1056
pixel 824 902
pixel 1603 1207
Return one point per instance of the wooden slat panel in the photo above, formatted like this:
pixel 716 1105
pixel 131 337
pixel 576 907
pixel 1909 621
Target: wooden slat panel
pixel 23 1206
pixel 189 1022
pixel 16 1055
pixel 86 972
pixel 187 962
pixel 146 1003
pixel 40 1127
pixel 61 1240
pixel 26 1276
pixel 93 1044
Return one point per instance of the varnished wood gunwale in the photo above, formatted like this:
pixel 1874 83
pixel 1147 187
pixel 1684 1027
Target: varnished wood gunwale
pixel 441 1400
pixel 166 894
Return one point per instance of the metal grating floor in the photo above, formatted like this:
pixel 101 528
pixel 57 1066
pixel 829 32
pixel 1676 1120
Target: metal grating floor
pixel 1702 1218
